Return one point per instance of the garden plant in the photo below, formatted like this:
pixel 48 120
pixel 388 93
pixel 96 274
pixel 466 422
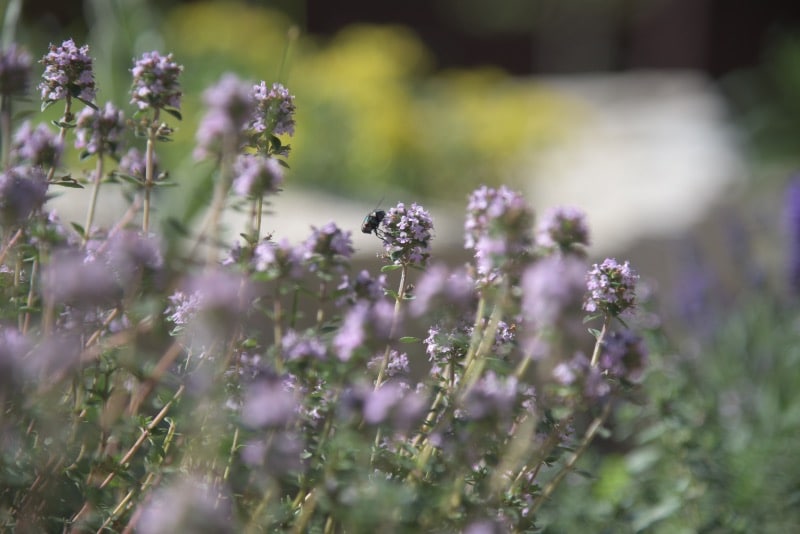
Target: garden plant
pixel 199 385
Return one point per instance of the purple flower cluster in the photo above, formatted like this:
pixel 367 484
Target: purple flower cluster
pixel 256 175
pixel 274 111
pixel 67 72
pixel 219 298
pixel 440 288
pixel 80 280
pixel 624 355
pixel 447 346
pixel 397 365
pixel 395 404
pixel 133 163
pixel 103 272
pixel 269 402
pixel 230 105
pixel 189 504
pixel 612 287
pixel 296 346
pixel 550 286
pixel 578 371
pixel 407 233
pixel 364 286
pixel 23 190
pixel 15 71
pixel 37 146
pixel 129 255
pixel 498 228
pixel 492 397
pixel 564 228
pixel 182 308
pixel 363 322
pixel 278 260
pixel 328 247
pixel 155 82
pixel 100 130
pixel 13 347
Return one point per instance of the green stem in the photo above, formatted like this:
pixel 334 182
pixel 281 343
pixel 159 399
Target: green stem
pixel 473 367
pixel 395 319
pixel 5 129
pixel 98 178
pixel 148 171
pixel 599 343
pixel 217 207
pixel 573 459
pixel 277 320
pixel 31 295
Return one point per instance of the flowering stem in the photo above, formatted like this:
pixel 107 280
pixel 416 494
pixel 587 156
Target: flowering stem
pixel 31 295
pixel 395 317
pixel 98 175
pixel 573 459
pixel 48 306
pixel 5 128
pixel 599 343
pixel 234 445
pixel 148 171
pixel 134 448
pixel 217 207
pixel 10 244
pixel 255 220
pixel 476 333
pixel 473 367
pixel 277 318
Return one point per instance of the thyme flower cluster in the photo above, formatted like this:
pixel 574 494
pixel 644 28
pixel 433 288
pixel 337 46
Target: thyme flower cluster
pixel 256 175
pixel 230 105
pixel 612 287
pixel 68 71
pixel 564 227
pixel 15 70
pixel 497 228
pixel 155 82
pixel 274 110
pixel 38 146
pixel 100 130
pixel 407 233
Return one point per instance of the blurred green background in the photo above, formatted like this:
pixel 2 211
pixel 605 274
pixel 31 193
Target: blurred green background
pixel 375 118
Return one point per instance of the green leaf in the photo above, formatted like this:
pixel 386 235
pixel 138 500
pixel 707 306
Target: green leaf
pixel 175 113
pixel 68 182
pixel 62 124
pixel 78 228
pixel 86 102
pixel 390 268
pixel 178 226
pixel 129 178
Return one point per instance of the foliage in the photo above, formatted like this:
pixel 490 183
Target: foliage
pixel 268 388
pixel 716 453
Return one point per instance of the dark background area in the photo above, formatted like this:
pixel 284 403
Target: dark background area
pixel 545 36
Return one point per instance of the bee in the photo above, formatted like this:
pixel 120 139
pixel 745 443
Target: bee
pixel 372 221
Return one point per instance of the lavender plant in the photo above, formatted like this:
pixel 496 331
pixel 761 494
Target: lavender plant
pixel 276 389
